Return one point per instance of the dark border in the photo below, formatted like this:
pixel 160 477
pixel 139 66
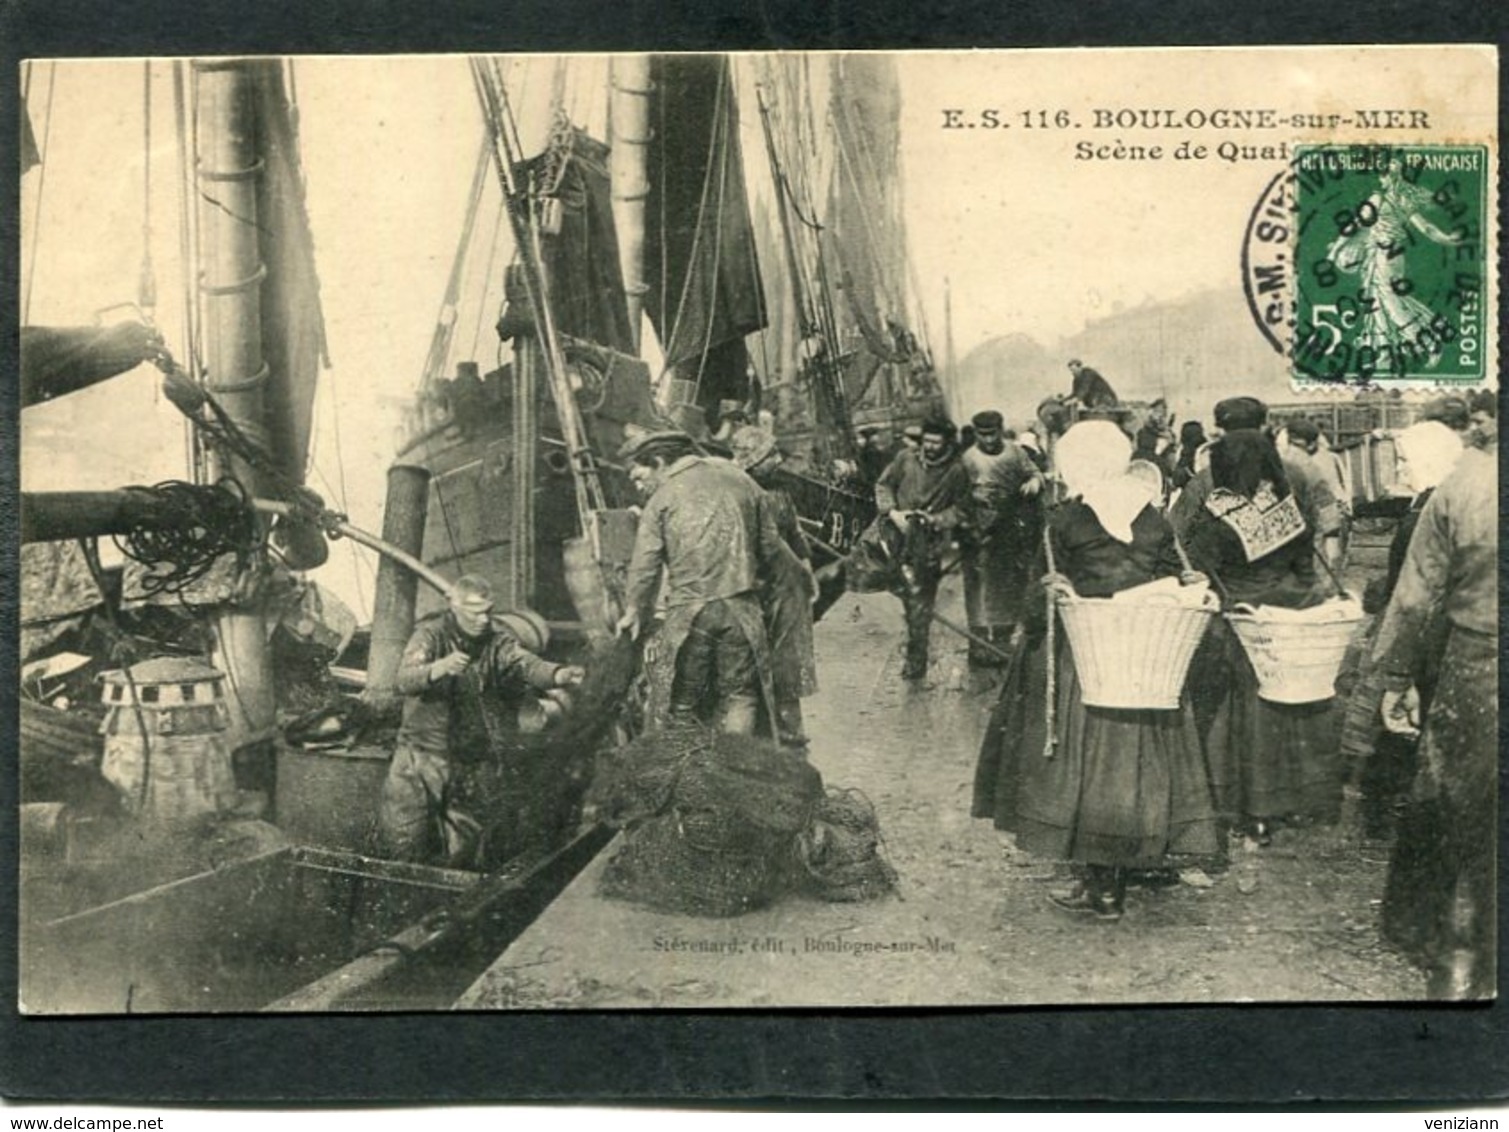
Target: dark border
pixel 1145 1056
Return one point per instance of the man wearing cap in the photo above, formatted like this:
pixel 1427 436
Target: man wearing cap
pixel 789 593
pixel 1000 533
pixel 1090 390
pixel 709 528
pixel 922 494
pixel 871 452
pixel 732 416
pixel 1451 410
pixel 456 671
pixel 1319 501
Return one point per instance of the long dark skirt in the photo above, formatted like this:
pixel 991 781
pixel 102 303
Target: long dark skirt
pixel 1269 760
pixel 1440 891
pixel 1006 742
pixel 1122 788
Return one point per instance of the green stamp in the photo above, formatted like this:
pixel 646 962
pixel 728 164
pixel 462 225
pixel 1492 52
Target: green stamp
pixel 1391 262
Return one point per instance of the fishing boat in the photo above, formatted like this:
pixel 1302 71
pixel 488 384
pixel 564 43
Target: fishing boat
pixel 622 284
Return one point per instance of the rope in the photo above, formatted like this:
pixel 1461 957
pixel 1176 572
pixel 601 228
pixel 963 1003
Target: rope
pixel 487 276
pixel 341 494
pixel 674 329
pixel 36 218
pixel 186 255
pixel 720 127
pixel 1215 579
pixel 1341 590
pixel 498 115
pixel 445 318
pixel 870 228
pixel 122 653
pixel 1049 738
pixel 146 288
pixel 195 526
pixel 1183 555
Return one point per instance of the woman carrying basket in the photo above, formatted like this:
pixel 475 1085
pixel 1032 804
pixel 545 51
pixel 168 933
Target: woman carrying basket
pixel 1114 789
pixel 1242 522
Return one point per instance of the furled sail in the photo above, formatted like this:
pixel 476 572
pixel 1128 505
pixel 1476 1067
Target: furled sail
pixel 885 362
pixel 703 275
pixel 293 324
pixel 581 250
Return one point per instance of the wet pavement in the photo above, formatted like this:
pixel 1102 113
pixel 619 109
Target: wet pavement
pixel 971 923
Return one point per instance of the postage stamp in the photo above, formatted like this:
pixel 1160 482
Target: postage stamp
pixel 1390 264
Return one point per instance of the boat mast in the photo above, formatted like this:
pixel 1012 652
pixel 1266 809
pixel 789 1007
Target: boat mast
pixel 818 332
pixel 230 273
pixel 629 135
pixel 950 375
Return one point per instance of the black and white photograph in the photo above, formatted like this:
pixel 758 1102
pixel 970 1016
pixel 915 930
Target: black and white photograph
pixel 750 531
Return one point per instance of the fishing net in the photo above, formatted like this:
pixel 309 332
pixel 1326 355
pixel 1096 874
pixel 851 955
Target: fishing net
pixel 670 863
pixel 840 851
pixel 716 817
pixel 718 825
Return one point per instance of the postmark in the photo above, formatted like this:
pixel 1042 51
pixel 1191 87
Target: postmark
pixel 1390 263
pixel 1267 261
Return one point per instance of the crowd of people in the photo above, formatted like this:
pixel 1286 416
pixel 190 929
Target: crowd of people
pixel 1252 516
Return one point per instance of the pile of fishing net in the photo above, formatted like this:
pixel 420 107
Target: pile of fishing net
pixel 840 850
pixel 718 825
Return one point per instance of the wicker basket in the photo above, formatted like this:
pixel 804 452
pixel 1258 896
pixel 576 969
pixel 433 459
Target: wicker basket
pixel 1296 662
pixel 1133 654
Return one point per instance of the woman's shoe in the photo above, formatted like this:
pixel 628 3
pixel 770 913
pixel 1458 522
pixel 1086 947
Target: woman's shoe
pixel 1262 833
pixel 1113 896
pixel 1075 897
pixel 1092 894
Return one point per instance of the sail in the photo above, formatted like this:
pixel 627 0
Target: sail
pixel 886 362
pixel 776 84
pixel 703 274
pixel 31 156
pixel 581 251
pixel 863 220
pixel 293 324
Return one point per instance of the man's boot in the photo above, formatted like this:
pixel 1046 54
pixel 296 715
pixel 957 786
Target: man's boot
pixel 739 715
pixel 1457 974
pixel 788 717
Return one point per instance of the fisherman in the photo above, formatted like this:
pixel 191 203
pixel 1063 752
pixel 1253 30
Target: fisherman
pixel 922 493
pixel 790 593
pixel 1000 536
pixel 1484 404
pixel 709 527
pixel 732 416
pixel 1452 410
pixel 872 452
pixel 1324 512
pixel 1191 441
pixel 1090 390
pixel 457 669
pixel 1447 841
pixel 1427 452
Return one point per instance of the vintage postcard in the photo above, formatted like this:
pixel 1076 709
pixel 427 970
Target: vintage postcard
pixel 758 530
